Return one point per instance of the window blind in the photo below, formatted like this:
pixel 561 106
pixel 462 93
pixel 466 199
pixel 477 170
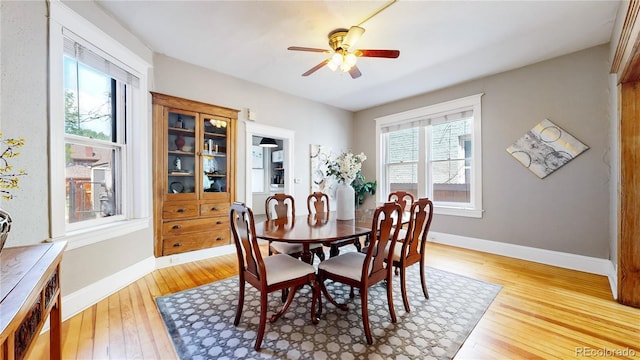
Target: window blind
pixel 90 58
pixel 429 120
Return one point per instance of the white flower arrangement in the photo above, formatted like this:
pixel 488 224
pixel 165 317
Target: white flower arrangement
pixel 345 166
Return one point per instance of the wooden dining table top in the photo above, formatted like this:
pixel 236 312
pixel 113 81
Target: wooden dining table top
pixel 319 227
pixel 312 228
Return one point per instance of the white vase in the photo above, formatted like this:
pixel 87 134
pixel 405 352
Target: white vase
pixel 345 201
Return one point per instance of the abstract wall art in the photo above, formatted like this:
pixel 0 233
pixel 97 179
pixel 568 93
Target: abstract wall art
pixel 319 181
pixel 546 148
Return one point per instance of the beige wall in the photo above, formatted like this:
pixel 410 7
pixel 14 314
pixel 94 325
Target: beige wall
pixel 568 211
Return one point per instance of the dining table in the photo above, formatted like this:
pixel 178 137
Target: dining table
pixel 322 227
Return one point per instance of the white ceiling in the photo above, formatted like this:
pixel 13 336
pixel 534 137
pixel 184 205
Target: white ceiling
pixel 441 43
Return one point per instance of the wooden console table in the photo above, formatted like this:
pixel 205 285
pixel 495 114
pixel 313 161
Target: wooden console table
pixel 29 291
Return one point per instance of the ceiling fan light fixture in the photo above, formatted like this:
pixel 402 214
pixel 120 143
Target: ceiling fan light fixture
pixel 350 59
pixel 268 142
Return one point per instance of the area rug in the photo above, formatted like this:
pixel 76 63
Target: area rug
pixel 200 321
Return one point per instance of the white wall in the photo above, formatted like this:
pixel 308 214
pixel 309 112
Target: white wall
pixel 568 211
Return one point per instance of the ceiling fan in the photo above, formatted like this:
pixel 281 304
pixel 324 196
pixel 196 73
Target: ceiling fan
pixel 343 55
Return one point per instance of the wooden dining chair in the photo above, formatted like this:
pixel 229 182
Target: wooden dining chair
pixel 412 249
pixel 282 206
pixel 269 274
pixel 318 202
pixel 403 198
pixel 365 270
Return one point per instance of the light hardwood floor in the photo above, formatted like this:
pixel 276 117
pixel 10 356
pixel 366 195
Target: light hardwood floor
pixel 542 312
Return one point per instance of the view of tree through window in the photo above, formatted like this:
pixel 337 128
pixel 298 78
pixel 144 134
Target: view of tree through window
pixel 91 152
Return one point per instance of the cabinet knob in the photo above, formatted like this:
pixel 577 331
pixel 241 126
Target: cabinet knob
pixel 219 238
pixel 176 227
pixel 178 244
pixel 214 209
pixel 181 210
pixel 219 222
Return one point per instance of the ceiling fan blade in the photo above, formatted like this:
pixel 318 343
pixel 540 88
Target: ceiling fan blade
pixel 300 48
pixel 391 54
pixel 315 68
pixel 355 72
pixel 352 37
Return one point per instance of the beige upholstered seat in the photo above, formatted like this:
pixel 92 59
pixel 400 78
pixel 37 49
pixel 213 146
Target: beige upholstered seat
pixel 364 270
pixel 269 274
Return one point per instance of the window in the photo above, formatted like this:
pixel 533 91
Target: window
pixel 99 132
pixel 434 152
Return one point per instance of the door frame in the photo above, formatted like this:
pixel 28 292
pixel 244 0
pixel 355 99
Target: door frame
pixel 287 136
pixel 626 65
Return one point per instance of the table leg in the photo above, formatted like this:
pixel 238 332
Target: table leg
pixel 306 254
pixel 55 329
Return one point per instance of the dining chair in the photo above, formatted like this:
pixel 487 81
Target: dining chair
pixel 361 270
pixel 282 206
pixel 318 203
pixel 403 198
pixel 268 274
pixel 412 249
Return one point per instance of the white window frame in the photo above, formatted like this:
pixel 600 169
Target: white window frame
pixel 136 193
pixel 474 209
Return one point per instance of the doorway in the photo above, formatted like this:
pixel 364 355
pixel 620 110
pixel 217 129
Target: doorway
pixel 268 169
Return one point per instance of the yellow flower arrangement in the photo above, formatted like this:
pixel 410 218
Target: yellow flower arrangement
pixel 8 176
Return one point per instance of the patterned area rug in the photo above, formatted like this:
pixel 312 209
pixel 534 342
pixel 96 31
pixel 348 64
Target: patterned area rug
pixel 200 321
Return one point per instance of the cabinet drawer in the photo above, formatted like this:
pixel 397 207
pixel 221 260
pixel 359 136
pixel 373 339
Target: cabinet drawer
pixel 180 210
pixel 214 209
pixel 179 227
pixel 195 241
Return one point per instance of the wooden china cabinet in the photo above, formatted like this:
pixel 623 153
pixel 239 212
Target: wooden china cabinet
pixel 193 174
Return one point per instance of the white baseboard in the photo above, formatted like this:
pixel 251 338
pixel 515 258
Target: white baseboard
pixel 190 256
pixel 565 260
pixel 613 279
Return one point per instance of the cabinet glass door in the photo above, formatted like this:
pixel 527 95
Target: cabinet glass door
pixel 214 155
pixel 181 154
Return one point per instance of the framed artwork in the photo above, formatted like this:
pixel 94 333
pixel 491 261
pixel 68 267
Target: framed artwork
pixel 546 148
pixel 257 157
pixel 319 181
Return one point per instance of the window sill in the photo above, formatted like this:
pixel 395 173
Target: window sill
pixel 473 213
pixel 80 238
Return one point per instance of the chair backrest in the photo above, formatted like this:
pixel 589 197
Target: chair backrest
pixel 318 202
pixel 418 229
pixel 244 236
pixel 279 206
pixel 383 234
pixel 403 198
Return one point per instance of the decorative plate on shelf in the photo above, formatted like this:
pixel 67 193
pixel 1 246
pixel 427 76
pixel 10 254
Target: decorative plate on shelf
pixel 176 187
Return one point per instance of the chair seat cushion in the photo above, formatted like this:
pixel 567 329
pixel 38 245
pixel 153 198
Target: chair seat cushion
pixel 291 248
pixel 281 267
pixel 348 265
pixel 397 251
